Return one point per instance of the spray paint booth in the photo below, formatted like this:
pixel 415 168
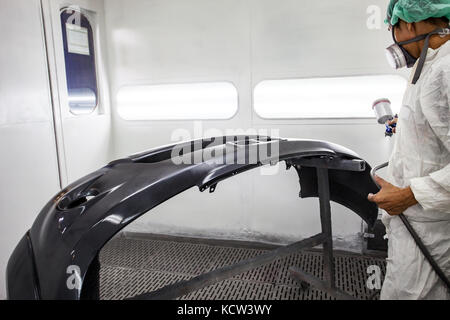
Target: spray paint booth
pixel 83 83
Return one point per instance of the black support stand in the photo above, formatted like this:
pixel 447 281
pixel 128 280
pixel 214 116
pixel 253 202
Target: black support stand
pixel 328 284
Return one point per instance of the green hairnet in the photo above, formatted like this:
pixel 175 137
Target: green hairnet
pixel 416 10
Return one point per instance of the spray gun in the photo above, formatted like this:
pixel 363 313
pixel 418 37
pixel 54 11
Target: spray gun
pixel 384 114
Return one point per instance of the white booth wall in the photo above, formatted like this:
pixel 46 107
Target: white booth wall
pixel 245 42
pixel 145 42
pixel 28 157
pixel 43 146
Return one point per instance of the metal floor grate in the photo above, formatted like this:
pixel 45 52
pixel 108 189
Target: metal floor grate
pixel 133 266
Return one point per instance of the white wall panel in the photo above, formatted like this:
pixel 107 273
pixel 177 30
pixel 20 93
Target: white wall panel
pixel 28 163
pixel 316 38
pixel 160 41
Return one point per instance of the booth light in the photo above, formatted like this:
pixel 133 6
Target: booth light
pixel 345 97
pixel 218 100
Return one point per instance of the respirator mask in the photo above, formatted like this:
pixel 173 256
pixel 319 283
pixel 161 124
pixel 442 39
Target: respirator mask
pixel 398 57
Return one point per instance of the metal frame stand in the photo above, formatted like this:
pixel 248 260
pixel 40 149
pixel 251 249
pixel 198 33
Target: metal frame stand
pixel 328 285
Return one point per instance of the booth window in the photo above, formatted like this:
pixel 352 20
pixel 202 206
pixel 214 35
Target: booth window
pixel 79 58
pixel 344 97
pixel 189 101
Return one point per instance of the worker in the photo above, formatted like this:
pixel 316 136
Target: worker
pixel 418 176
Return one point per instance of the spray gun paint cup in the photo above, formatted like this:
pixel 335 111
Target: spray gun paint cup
pixel 382 110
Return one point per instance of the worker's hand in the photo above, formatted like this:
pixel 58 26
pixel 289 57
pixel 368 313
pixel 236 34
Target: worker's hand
pixel 392 199
pixel 391 122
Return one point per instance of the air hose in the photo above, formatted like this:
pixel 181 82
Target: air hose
pixel 415 236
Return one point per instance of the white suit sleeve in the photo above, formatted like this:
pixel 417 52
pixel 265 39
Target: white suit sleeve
pixel 433 191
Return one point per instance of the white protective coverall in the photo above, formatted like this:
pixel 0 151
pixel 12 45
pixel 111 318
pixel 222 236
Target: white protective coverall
pixel 421 160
